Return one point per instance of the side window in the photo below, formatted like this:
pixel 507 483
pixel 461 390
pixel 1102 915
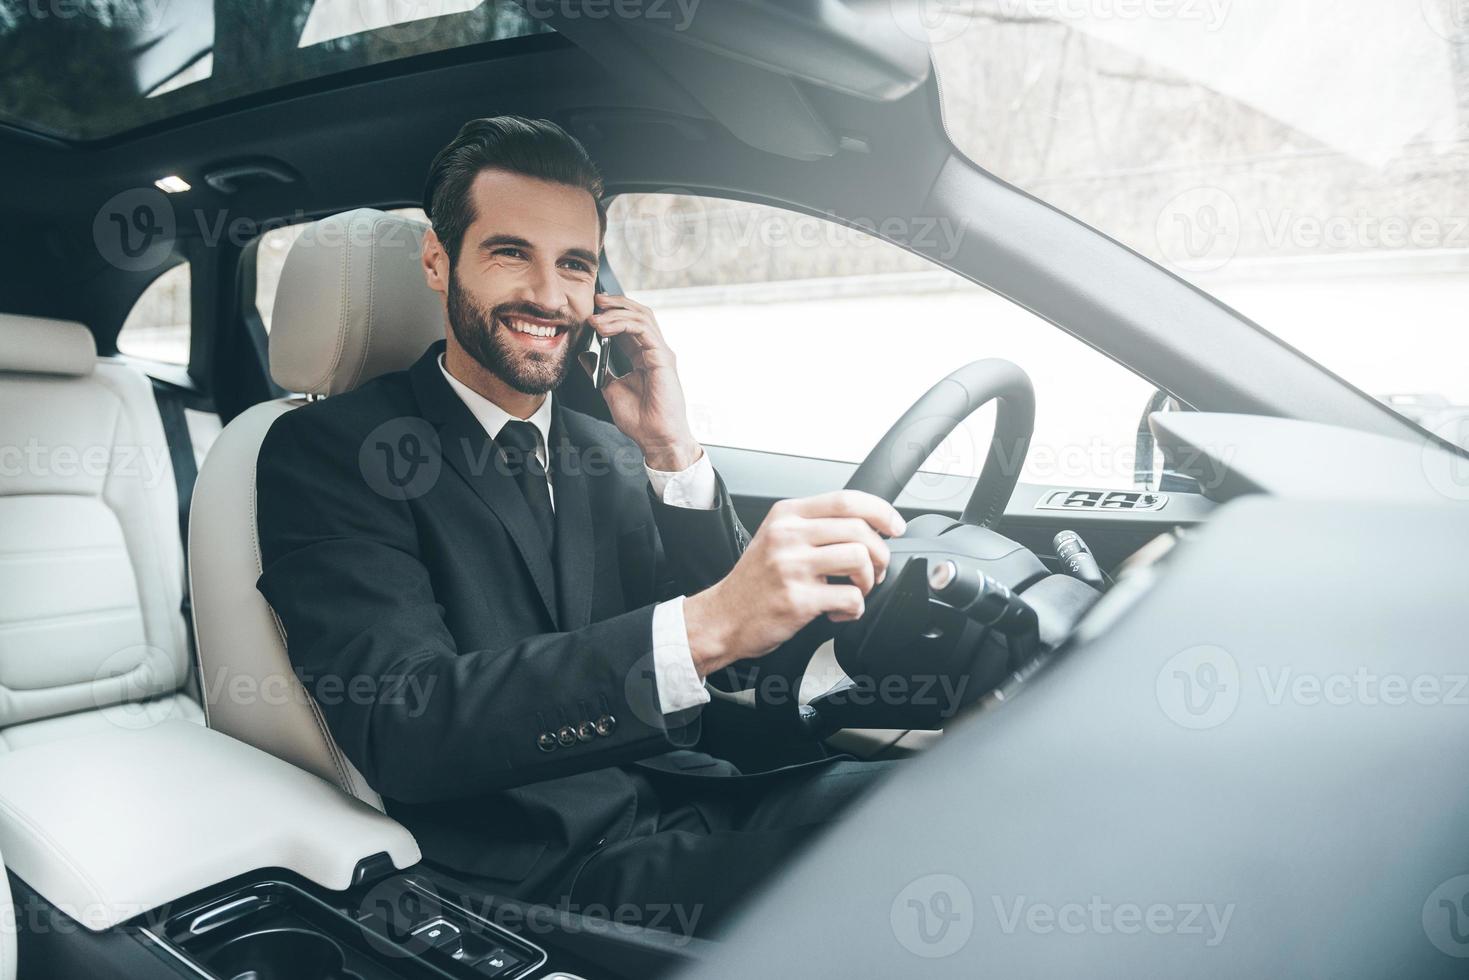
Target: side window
pixel 157 327
pixel 270 258
pixel 799 335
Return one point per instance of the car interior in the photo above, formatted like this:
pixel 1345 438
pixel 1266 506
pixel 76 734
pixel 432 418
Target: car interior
pixel 172 803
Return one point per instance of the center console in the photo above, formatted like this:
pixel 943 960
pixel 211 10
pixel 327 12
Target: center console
pixel 177 851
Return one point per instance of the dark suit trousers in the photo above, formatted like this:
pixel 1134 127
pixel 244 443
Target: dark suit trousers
pixel 700 844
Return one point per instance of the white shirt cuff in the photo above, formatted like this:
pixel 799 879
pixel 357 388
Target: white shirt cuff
pixel 694 487
pixel 679 685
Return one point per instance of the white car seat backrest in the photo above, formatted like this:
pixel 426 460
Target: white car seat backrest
pixel 352 304
pixel 91 575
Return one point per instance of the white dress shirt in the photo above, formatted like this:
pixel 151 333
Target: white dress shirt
pixel 679 685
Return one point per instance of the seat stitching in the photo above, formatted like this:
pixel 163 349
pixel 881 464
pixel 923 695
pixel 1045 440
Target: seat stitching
pixel 179 640
pixel 343 313
pixel 77 616
pixel 371 296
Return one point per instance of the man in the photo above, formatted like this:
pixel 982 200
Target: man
pixel 556 596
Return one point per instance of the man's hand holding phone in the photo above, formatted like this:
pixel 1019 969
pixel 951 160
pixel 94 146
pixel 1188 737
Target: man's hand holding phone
pixel 647 403
pixel 781 581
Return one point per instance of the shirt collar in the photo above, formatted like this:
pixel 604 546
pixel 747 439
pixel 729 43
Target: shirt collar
pixel 492 417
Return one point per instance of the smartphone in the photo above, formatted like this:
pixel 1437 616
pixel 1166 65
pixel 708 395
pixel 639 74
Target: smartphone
pixel 599 356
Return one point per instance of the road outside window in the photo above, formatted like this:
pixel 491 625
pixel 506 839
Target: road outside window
pixel 799 335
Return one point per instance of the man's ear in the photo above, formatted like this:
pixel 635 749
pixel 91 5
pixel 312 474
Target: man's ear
pixel 435 263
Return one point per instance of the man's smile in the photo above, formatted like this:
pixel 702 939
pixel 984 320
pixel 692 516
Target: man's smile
pixel 535 332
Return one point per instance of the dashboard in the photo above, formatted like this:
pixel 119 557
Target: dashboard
pixel 1238 766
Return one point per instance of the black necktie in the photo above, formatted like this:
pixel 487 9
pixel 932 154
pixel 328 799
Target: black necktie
pixel 518 441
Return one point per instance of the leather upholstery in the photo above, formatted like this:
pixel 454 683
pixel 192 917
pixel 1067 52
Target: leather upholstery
pixel 91 574
pixel 352 305
pixel 36 345
pixel 226 809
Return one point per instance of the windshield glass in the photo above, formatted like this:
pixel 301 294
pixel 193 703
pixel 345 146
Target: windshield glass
pixel 1304 161
pixel 87 69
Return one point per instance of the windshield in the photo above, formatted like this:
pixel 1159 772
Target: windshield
pixel 87 69
pixel 1304 161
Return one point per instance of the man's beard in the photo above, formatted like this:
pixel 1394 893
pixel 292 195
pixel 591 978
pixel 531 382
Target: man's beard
pixel 481 333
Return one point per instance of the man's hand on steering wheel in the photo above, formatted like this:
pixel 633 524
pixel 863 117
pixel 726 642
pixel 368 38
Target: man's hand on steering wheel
pixel 781 581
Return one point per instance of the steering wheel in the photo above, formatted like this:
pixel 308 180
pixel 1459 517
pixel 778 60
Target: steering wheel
pixel 888 468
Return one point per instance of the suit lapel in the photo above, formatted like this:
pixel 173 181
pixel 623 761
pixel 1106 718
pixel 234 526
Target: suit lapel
pixel 470 451
pixel 575 547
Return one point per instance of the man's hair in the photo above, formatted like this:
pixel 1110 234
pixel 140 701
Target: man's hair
pixel 532 147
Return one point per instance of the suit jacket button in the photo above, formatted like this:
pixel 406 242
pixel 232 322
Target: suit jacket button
pixel 566 735
pixel 546 742
pixel 585 732
pixel 605 725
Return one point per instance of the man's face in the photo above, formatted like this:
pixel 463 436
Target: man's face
pixel 523 286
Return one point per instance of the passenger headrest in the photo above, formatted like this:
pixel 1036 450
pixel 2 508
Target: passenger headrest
pixel 352 303
pixel 37 345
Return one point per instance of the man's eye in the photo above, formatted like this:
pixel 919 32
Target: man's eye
pixel 510 252
pixel 577 265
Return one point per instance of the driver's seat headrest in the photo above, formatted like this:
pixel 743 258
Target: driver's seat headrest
pixel 352 303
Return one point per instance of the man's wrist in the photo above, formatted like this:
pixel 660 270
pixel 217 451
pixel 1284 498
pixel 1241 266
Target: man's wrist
pixel 672 457
pixel 711 636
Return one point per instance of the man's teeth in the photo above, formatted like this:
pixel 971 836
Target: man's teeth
pixel 535 330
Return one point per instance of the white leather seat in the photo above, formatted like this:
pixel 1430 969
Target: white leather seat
pixel 352 304
pixel 91 573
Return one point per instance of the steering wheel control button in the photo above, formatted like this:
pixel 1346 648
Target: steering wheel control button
pixel 585 732
pixel 441 934
pixel 941 575
pixel 498 963
pixel 546 742
pixel 566 735
pixel 605 725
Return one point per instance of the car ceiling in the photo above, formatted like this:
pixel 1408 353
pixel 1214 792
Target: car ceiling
pixel 656 115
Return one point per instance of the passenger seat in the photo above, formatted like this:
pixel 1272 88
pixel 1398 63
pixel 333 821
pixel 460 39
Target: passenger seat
pixel 91 567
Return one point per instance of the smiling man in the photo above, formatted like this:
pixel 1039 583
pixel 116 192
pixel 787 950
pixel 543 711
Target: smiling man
pixel 561 590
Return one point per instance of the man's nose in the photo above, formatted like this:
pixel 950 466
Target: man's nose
pixel 546 288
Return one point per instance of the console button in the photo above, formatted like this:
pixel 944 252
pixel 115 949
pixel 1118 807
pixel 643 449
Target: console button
pixel 605 725
pixel 500 962
pixel 441 934
pixel 566 735
pixel 546 741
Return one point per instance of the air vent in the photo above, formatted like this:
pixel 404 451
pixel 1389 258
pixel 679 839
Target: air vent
pixel 1103 500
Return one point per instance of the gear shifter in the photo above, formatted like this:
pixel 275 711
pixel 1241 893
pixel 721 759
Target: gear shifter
pixel 1077 558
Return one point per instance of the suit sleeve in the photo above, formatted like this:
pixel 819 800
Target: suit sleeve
pixel 697 547
pixel 421 719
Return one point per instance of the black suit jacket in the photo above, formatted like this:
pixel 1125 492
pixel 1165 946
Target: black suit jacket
pixel 451 656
